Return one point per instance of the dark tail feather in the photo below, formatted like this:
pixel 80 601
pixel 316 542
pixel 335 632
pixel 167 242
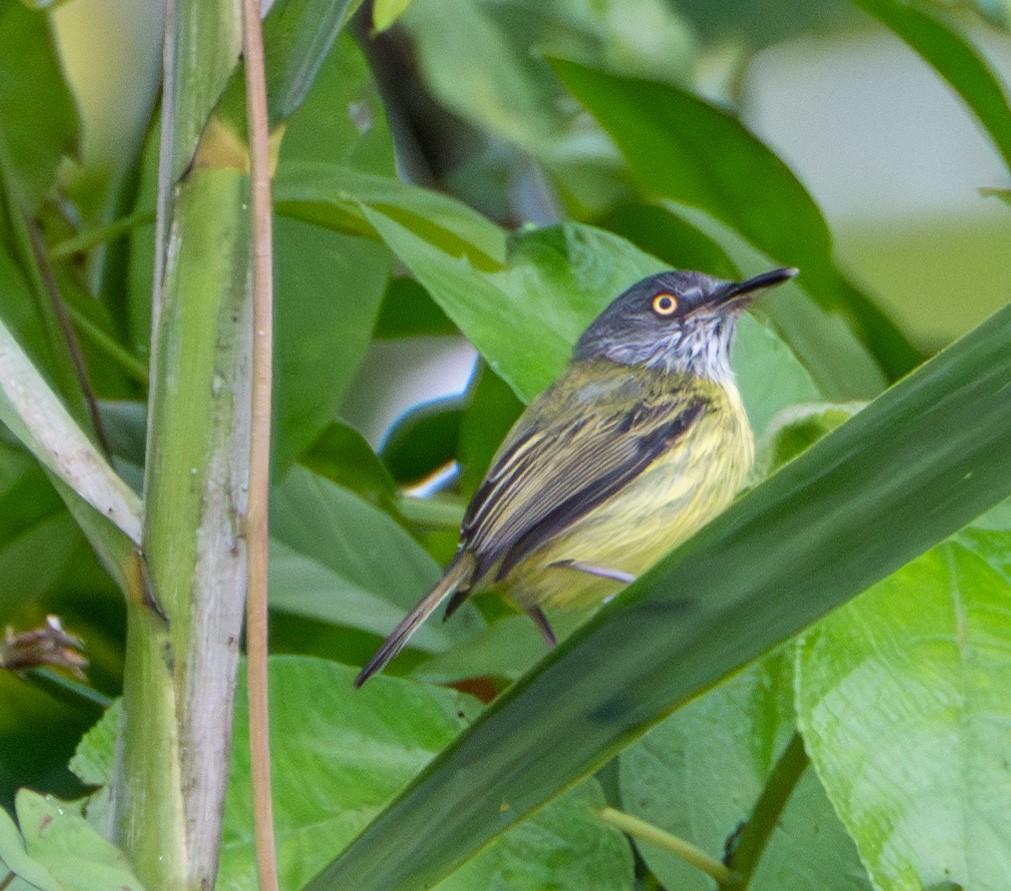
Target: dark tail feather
pixel 458 575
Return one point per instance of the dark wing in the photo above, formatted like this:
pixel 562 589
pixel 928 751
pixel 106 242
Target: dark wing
pixel 551 472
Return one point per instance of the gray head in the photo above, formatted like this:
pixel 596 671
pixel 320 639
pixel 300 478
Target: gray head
pixel 675 321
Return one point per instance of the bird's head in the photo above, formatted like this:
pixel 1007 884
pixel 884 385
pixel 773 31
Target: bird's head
pixel 678 321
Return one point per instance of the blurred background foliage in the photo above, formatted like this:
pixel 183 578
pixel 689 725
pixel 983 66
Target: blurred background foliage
pixel 864 154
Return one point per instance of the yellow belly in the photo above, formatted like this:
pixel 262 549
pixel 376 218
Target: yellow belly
pixel 667 503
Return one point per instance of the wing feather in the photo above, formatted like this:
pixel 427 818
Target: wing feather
pixel 574 448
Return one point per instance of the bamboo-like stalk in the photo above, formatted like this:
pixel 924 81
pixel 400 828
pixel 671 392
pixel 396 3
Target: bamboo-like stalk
pixel 183 634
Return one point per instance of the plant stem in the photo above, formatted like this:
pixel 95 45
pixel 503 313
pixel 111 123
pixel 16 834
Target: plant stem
pixel 99 235
pixel 640 829
pixel 259 452
pixel 778 787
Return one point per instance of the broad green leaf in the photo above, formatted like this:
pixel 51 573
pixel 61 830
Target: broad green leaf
pixel 700 772
pixel 341 197
pixel 902 699
pixel 810 847
pixel 492 410
pixel 409 311
pixel 662 233
pixel 794 430
pixel 911 468
pixel 339 559
pixel 297 37
pixel 680 147
pixel 38 117
pixel 342 119
pixel 489 76
pixel 60 850
pixel 15 857
pixel 340 754
pixel 525 318
pixel 955 59
pixel 337 756
pixel 329 287
pixel 769 375
pixel 566 845
pixel 342 455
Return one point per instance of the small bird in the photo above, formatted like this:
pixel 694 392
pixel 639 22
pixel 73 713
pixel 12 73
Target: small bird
pixel 640 442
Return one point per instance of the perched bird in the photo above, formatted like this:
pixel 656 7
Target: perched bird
pixel 640 442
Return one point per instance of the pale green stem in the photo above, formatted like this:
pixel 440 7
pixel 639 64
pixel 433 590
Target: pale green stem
pixel 643 831
pixel 84 241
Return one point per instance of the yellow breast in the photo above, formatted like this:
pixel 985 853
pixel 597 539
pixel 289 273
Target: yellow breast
pixel 669 501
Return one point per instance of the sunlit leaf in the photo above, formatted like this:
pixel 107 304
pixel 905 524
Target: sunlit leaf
pixel 700 772
pixel 902 699
pixel 60 850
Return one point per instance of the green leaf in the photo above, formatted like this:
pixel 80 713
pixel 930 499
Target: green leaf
pixel 902 699
pixel 678 146
pixel 810 847
pixel 770 377
pixel 340 754
pixel 342 119
pixel 297 37
pixel 15 857
pixel 662 233
pixel 409 311
pixel 374 742
pixel 700 772
pixel 386 12
pixel 341 197
pixel 342 455
pixel 329 287
pixel 566 845
pixel 955 59
pixel 911 468
pixel 38 117
pixel 525 318
pixel 60 850
pixel 339 559
pixel 794 430
pixel 492 410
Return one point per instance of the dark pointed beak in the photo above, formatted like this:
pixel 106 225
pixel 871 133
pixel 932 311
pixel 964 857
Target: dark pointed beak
pixel 747 290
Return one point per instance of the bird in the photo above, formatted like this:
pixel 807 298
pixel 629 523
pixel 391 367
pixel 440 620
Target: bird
pixel 641 441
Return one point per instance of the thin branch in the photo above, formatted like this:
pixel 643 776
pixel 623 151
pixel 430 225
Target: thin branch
pixel 259 452
pixel 69 336
pixel 640 829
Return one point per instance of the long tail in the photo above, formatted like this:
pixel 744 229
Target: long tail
pixel 458 575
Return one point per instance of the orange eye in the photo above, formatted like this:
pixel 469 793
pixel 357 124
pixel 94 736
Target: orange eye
pixel 665 304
